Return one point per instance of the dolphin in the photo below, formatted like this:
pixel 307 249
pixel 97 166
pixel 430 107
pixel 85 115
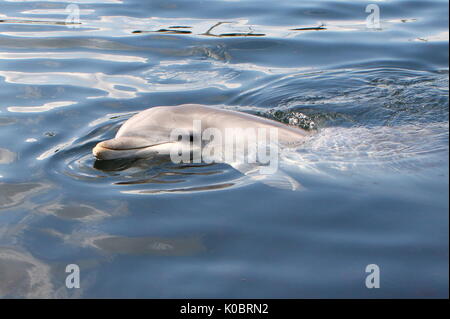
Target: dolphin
pixel 148 133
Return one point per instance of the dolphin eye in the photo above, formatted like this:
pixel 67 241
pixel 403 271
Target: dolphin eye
pixel 191 137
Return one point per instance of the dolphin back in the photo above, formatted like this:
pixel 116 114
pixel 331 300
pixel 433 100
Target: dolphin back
pixel 164 118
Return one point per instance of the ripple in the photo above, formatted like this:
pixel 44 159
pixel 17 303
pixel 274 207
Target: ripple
pixel 115 86
pixel 406 148
pixel 74 160
pixel 190 75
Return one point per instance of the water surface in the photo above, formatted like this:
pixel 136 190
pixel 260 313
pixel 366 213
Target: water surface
pixel 374 173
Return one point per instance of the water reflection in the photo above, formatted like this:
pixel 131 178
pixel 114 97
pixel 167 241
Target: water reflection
pixel 72 55
pixel 438 37
pixel 377 101
pixel 74 211
pixel 6 156
pixel 159 173
pixel 116 86
pixel 14 194
pixel 129 26
pixel 148 245
pixel 186 190
pixel 166 76
pixel 190 75
pixel 23 276
pixel 42 108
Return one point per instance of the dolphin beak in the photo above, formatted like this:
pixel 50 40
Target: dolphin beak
pixel 124 147
pixel 100 151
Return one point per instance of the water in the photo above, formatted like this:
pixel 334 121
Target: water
pixel 374 174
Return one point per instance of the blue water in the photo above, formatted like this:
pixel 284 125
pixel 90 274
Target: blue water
pixel 374 173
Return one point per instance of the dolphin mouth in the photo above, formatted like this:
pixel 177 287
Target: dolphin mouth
pixel 124 147
pixel 99 145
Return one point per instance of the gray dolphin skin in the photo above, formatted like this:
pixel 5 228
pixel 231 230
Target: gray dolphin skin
pixel 148 132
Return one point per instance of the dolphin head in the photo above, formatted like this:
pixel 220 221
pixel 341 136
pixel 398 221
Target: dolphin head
pixel 145 134
pixel 140 136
